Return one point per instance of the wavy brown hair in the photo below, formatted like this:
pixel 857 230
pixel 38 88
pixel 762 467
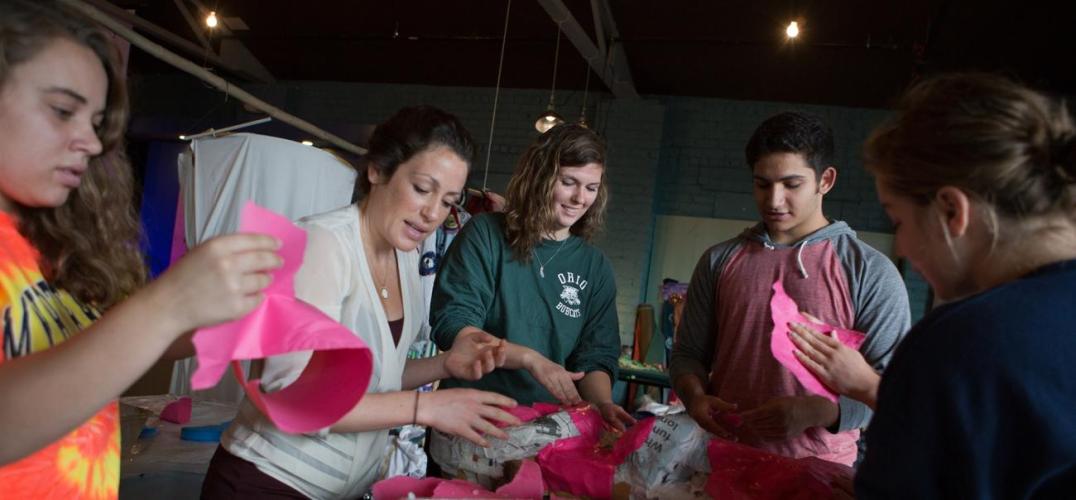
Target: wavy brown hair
pixel 90 245
pixel 1005 144
pixel 530 215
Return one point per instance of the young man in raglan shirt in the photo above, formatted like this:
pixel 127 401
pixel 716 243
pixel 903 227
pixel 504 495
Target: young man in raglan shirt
pixel 722 361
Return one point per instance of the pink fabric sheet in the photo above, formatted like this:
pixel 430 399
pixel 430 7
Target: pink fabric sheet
pixel 338 373
pixel 740 472
pixel 178 411
pixel 577 465
pixel 527 483
pixel 784 310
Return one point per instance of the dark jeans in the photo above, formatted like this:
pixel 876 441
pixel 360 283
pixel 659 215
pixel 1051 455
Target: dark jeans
pixel 231 477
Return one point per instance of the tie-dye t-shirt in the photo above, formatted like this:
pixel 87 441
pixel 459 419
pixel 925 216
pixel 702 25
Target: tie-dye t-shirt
pixel 85 463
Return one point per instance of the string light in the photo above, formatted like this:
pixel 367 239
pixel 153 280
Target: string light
pixel 793 29
pixel 211 19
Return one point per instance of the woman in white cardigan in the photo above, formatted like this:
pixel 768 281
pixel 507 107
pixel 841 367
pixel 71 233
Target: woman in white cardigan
pixel 360 269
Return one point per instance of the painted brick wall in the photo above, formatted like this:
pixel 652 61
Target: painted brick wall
pixel 633 131
pixel 703 172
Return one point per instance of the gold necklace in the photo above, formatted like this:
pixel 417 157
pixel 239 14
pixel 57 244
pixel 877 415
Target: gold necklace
pixel 382 289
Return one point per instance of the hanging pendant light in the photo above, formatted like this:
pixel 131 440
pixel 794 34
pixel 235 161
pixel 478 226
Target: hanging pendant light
pixel 583 111
pixel 550 118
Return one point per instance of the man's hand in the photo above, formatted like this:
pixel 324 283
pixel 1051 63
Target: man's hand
pixel 787 417
pixel 713 414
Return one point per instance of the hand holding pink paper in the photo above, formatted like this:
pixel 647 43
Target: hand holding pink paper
pixel 784 311
pixel 338 372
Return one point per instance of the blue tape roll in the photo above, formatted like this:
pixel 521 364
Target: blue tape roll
pixel 203 433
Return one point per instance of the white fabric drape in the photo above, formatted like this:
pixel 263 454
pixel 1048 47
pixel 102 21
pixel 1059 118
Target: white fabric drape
pixel 218 175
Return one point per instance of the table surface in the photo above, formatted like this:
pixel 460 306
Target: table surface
pixel 165 452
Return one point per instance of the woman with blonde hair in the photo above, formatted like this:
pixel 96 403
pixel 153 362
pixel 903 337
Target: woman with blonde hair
pixel 978 175
pixel 532 277
pixel 75 331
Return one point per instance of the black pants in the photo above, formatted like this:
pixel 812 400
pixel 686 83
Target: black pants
pixel 231 477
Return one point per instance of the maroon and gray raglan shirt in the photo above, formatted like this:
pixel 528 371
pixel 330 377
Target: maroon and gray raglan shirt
pixel 724 336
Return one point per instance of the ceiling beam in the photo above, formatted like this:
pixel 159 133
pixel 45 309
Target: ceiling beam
pixel 615 74
pixel 232 51
pixel 599 31
pixel 619 58
pixel 172 39
pixel 195 26
pixel 137 40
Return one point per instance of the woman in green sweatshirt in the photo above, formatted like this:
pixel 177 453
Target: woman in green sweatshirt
pixel 531 277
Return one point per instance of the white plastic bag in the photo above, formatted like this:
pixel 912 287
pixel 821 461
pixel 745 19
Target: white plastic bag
pixel 674 451
pixel 463 459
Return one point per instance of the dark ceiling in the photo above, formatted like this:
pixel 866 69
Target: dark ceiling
pixel 851 52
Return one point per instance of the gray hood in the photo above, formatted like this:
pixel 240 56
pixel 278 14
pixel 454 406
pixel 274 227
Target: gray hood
pixel 835 229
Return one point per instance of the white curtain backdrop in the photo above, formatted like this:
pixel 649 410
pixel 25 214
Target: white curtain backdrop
pixel 218 175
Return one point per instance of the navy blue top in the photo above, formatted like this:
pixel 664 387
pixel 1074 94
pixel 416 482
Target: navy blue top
pixel 980 399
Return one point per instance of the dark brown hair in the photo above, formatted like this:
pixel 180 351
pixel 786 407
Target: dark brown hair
pixel 409 132
pixel 793 132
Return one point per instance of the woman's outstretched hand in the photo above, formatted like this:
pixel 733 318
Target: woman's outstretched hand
pixel 468 413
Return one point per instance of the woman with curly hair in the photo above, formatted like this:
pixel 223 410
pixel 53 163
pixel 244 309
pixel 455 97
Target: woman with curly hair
pixel 532 277
pixel 75 332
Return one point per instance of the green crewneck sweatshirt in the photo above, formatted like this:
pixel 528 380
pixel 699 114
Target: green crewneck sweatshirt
pixel 568 315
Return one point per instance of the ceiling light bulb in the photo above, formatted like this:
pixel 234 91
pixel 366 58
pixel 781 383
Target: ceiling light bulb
pixel 793 29
pixel 211 19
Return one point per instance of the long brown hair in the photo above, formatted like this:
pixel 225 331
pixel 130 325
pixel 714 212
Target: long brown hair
pixel 530 213
pixel 90 245
pixel 1003 143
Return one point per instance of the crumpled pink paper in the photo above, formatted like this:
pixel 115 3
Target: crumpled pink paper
pixel 178 411
pixel 527 413
pixel 336 377
pixel 527 483
pixel 577 465
pixel 740 472
pixel 784 310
